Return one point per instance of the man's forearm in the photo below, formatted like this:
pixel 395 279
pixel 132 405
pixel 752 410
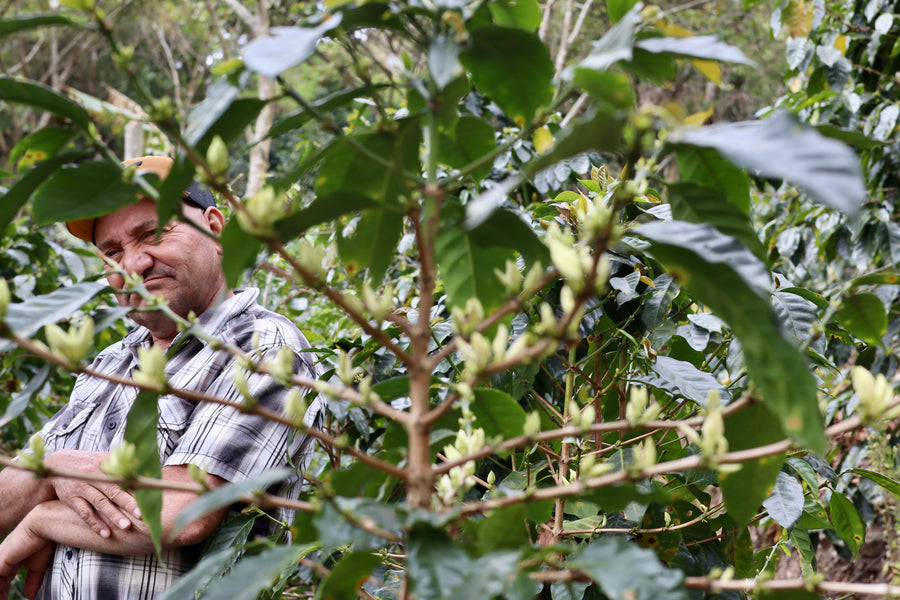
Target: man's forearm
pixel 20 492
pixel 56 522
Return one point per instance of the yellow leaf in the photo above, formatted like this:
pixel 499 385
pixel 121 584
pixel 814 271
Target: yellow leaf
pixel 698 119
pixel 798 16
pixel 710 69
pixel 841 44
pixel 672 30
pixel 543 140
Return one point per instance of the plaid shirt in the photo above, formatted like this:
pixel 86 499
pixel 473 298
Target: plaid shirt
pixel 218 438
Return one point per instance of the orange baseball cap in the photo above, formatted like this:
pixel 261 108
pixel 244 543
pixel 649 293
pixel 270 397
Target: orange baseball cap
pixel 196 194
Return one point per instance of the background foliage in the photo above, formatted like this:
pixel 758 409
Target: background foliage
pixel 572 348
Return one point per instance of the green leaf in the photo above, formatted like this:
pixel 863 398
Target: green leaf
pixel 797 316
pixel 256 573
pixel 505 229
pixel 231 124
pixel 618 8
pixel 745 490
pixel 41 144
pixel 611 87
pixel 27 318
pixel 785 503
pixel 373 244
pixel 88 189
pixel 513 68
pixel 321 210
pixel 140 430
pixel 708 47
pixel 804 546
pixel 17 195
pixel 814 515
pixel 724 275
pixel 467 269
pixel 625 571
pixel 435 565
pixel 884 481
pixel 212 565
pixel 42 97
pixel 503 528
pixel 817 299
pixel 706 167
pixel 524 14
pixel 864 316
pixel 615 45
pixel 301 117
pixel 847 523
pixel 701 204
pixel 886 277
pixel 488 576
pixel 851 137
pixel 781 147
pixel 443 60
pixel 347 576
pixel 498 413
pixel 656 307
pixel 681 378
pixel 8 26
pixel 239 251
pixel 472 139
pixel 228 494
pixel 20 400
pixel 286 47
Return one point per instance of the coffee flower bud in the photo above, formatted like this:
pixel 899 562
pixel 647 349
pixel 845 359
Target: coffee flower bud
pixel 152 369
pixel 378 305
pixel 345 370
pixel 532 424
pixel 713 444
pixel 533 279
pixel 73 345
pixel 5 298
pixel 312 256
pixel 260 213
pixel 217 156
pixel 875 395
pixel 121 461
pixel 295 407
pixel 281 368
pixel 639 410
pixel 510 277
pixel 589 467
pixel 239 378
pixel 33 458
pixel 644 457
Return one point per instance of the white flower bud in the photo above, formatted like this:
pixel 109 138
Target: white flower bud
pixel 510 277
pixel 217 156
pixel 295 407
pixel 344 369
pixel 73 345
pixel 533 279
pixel 378 305
pixel 532 424
pixel 152 367
pixel 121 461
pixel 875 393
pixel 501 340
pixel 282 366
pixel 5 298
pixel 312 256
pixel 260 213
pixel 33 458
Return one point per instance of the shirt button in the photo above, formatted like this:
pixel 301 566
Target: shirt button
pixel 110 424
pixel 69 554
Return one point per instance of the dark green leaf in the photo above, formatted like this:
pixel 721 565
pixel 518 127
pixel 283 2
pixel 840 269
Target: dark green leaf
pixel 140 430
pixel 504 528
pixel 256 573
pixel 21 190
pixel 847 523
pixel 435 565
pixel 322 209
pixel 681 378
pixel 467 269
pixel 706 167
pixel 347 576
pixel 513 68
pixel 505 229
pixel 489 575
pixel 618 8
pixel 851 137
pixel 884 481
pixel 804 547
pixel 373 244
pixel 41 144
pixel 888 277
pixel 232 123
pixel 8 26
pixel 219 97
pixel 798 316
pixel 805 471
pixel 472 139
pixel 228 494
pixel 656 307
pixel 701 204
pixel 785 503
pixel 625 571
pixel 26 318
pixel 781 147
pixel 864 316
pixel 814 515
pixel 286 47
pixel 498 413
pixel 443 60
pixel 724 275
pixel 817 299
pixel 611 87
pixel 299 118
pixel 42 97
pixel 88 189
pixel 239 251
pixel 524 14
pixel 212 565
pixel 708 47
pixel 615 45
pixel 19 401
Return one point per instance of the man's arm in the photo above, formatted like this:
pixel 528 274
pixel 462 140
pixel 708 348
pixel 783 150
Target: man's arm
pixel 53 521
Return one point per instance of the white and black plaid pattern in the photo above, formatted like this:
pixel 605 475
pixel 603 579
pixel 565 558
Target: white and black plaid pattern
pixel 220 439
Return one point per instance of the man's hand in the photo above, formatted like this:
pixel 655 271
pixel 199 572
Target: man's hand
pixel 100 505
pixel 23 548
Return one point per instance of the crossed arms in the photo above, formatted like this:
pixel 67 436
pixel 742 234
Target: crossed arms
pixel 36 514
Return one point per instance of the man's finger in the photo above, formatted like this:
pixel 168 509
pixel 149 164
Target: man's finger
pixel 110 512
pixel 85 510
pixel 125 500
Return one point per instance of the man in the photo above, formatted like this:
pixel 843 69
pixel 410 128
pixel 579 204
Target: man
pixel 85 540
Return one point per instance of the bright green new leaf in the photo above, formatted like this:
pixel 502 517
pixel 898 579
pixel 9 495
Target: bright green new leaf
pixel 781 147
pixel 286 47
pixel 140 430
pixel 347 576
pixel 44 98
pixel 785 503
pixel 725 276
pixel 513 68
pixel 864 316
pixel 373 245
pixel 847 523
pixel 625 571
pixel 612 87
pixel 256 573
pixel 618 8
pixel 524 14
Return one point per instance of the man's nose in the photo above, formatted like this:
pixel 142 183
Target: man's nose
pixel 136 261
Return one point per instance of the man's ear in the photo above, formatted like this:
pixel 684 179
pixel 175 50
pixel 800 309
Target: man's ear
pixel 214 219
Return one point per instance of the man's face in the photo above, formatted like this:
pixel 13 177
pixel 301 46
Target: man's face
pixel 183 265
